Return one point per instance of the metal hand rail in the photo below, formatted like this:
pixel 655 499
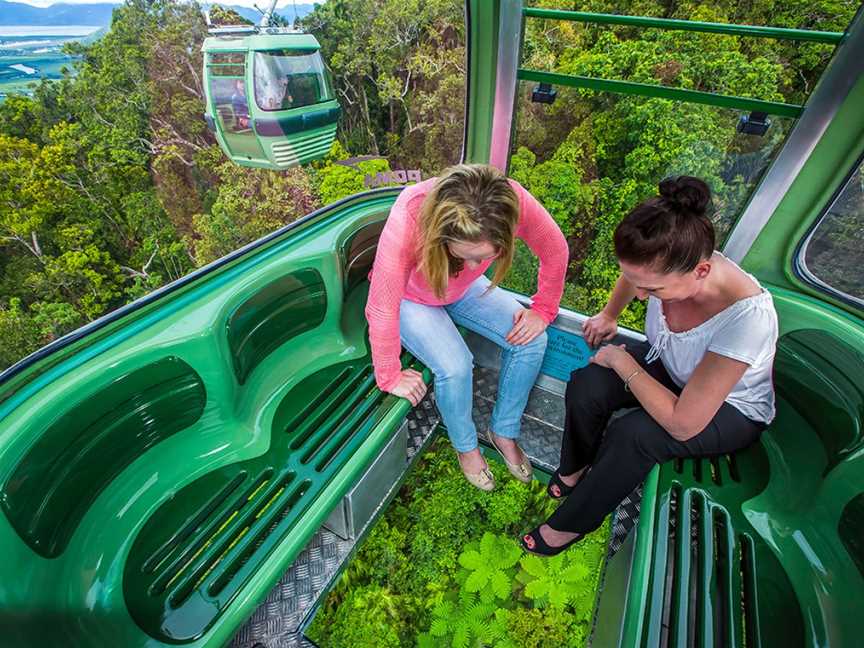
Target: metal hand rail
pixel 754 31
pixel 662 92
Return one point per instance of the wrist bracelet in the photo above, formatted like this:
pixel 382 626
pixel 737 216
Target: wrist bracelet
pixel 631 377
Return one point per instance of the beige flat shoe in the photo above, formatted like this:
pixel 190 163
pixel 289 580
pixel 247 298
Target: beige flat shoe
pixel 521 471
pixel 484 480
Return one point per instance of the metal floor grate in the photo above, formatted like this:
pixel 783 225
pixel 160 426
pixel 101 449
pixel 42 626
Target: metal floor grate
pixel 276 621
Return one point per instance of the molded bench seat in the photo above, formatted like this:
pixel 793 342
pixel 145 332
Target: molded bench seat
pixel 763 547
pixel 197 550
pixel 156 481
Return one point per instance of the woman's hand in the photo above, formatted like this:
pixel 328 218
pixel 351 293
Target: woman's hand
pixel 410 386
pixel 527 325
pixel 599 328
pixel 613 356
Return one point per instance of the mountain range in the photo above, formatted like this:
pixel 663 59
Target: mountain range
pixel 99 14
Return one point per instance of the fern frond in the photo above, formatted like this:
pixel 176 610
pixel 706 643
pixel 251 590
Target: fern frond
pixel 575 572
pixel 470 559
pixel 477 580
pixel 533 565
pixel 460 637
pixel 500 584
pixel 487 545
pixel 439 628
pixel 537 588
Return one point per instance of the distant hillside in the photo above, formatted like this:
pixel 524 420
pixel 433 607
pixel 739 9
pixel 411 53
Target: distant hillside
pixel 16 13
pixel 99 14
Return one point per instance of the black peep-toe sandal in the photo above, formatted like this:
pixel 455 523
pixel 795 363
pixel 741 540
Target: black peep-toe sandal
pixel 564 489
pixel 540 547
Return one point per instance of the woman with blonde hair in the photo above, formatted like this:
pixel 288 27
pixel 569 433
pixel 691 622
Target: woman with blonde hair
pixel 428 277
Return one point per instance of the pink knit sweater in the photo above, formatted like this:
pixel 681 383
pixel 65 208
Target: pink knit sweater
pixel 395 275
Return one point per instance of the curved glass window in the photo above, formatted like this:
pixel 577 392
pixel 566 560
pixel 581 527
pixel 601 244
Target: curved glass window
pixel 286 79
pixel 832 256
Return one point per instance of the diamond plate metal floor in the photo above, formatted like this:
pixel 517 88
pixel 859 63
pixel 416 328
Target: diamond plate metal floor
pixel 276 622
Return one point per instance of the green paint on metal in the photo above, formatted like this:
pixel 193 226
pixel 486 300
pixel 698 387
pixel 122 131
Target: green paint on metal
pixel 851 530
pixel 358 253
pixel 647 22
pixel 662 92
pixel 633 622
pixel 822 375
pixel 482 61
pixel 270 98
pixel 79 454
pixel 279 312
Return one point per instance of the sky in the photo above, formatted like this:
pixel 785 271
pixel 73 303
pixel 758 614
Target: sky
pixel 244 3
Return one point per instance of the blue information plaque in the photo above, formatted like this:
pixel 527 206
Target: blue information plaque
pixel 565 352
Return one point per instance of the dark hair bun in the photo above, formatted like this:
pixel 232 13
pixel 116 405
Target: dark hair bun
pixel 686 193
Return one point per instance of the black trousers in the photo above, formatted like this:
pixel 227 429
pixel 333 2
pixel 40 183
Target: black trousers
pixel 633 443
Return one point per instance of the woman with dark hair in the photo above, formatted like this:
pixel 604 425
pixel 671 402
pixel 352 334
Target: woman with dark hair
pixel 713 329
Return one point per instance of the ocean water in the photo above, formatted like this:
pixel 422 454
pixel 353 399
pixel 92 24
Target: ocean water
pixel 31 53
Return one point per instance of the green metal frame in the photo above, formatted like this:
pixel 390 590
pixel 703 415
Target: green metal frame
pixel 662 92
pixel 645 22
pixel 481 17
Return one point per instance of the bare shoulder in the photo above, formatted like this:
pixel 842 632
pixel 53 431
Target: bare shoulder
pixel 738 284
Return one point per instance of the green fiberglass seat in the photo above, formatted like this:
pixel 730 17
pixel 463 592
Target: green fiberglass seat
pixel 270 99
pixel 158 476
pixel 764 547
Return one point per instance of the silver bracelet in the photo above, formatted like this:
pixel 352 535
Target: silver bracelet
pixel 631 377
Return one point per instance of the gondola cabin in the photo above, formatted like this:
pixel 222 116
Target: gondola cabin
pixel 270 98
pixel 166 471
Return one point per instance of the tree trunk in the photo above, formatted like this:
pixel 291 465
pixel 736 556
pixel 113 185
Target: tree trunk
pixel 373 143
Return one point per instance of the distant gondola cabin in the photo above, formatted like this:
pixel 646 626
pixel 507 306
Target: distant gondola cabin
pixel 270 98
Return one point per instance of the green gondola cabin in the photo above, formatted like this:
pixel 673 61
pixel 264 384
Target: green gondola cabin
pixel 162 468
pixel 270 98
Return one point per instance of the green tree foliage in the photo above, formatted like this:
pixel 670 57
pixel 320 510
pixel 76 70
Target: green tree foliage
pixel 221 16
pixel 400 77
pixel 590 157
pixel 250 204
pixel 23 331
pixel 82 228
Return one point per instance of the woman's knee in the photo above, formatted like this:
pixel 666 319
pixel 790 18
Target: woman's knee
pixel 588 385
pixel 536 348
pixel 639 432
pixel 453 364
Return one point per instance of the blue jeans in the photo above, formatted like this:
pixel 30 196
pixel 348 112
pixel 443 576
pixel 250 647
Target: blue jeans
pixel 430 334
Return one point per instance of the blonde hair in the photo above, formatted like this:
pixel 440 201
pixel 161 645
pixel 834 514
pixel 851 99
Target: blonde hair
pixel 470 203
